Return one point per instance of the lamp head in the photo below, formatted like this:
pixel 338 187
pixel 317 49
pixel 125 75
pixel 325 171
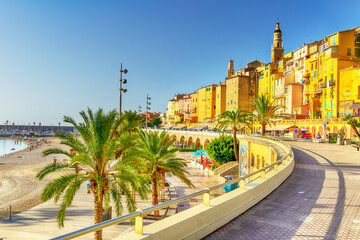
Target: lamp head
pixel 124 90
pixel 124 81
pixel 125 71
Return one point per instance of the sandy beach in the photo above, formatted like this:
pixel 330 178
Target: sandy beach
pixel 18 185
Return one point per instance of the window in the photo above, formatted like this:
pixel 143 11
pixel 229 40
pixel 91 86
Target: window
pixel 332 77
pixel 231 101
pixel 315 74
pixel 258 161
pixel 327 114
pixel 325 78
pixel 267 90
pixel 218 96
pixel 349 51
pixel 330 114
pixel 333 40
pixel 267 74
pixel 324 105
pixel 357 52
pixel 348 93
pixel 272 88
pixel 331 104
pixel 357 41
pixel 332 65
pixel 252 160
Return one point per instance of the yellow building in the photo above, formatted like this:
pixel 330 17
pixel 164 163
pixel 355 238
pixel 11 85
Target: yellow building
pixel 170 112
pixel 350 90
pixel 207 103
pixel 241 86
pixel 220 99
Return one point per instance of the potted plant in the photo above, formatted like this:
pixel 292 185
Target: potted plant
pixel 340 136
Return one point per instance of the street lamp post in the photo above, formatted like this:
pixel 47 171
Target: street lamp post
pixel 121 89
pixel 343 106
pixel 147 108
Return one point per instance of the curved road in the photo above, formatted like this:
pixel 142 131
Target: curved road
pixel 320 199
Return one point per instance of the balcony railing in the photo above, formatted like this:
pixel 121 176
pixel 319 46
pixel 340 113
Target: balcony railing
pixel 322 85
pixel 331 82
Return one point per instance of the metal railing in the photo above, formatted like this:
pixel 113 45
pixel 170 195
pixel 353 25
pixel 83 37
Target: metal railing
pixel 138 214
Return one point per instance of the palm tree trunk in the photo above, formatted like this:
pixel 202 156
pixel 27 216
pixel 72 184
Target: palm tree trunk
pixel 98 214
pixel 263 129
pixel 154 194
pixel 356 132
pixel 235 146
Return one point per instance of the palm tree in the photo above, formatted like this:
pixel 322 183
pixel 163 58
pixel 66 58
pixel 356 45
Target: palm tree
pixel 354 124
pixel 265 111
pixel 237 120
pixel 159 159
pixel 131 121
pixel 95 156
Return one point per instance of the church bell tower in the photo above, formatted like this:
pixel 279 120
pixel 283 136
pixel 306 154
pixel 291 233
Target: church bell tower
pixel 277 49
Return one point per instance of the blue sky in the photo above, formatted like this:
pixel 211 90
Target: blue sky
pixel 60 57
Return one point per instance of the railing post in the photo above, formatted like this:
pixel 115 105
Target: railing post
pixel 207 197
pixel 276 167
pixel 242 183
pixel 139 222
pixel 263 173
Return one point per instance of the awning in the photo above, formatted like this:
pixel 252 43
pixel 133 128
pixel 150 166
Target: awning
pixel 355 106
pixel 199 127
pixel 277 127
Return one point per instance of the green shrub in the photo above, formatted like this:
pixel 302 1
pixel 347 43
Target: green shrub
pixel 221 149
pixel 213 167
pixel 332 139
pixel 187 150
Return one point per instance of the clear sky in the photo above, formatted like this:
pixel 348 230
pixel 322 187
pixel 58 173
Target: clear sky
pixel 60 57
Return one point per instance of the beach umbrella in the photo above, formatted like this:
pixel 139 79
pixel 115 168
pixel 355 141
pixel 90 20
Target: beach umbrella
pixel 195 154
pixel 201 151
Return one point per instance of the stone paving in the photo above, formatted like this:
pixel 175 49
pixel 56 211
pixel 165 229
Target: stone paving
pixel 320 199
pixel 200 180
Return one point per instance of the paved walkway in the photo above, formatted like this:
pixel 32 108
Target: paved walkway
pixel 320 199
pixel 199 179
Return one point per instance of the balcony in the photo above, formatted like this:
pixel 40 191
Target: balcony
pixel 306 81
pixel 332 83
pixel 322 85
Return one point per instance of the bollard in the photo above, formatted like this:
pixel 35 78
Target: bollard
pixel 139 222
pixel 207 197
pixel 242 184
pixel 263 174
pixel 10 212
pixel 276 167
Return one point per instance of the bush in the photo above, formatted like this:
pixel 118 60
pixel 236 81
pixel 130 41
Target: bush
pixel 221 149
pixel 332 139
pixel 213 167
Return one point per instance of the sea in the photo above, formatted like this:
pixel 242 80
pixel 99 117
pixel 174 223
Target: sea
pixel 9 146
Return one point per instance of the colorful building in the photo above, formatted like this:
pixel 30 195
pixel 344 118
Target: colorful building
pixel 241 86
pixel 194 107
pixel 207 104
pixel 220 99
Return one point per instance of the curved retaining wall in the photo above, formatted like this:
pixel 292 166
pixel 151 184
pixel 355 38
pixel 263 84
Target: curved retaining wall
pixel 201 220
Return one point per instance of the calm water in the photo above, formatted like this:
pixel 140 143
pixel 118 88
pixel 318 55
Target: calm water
pixel 9 146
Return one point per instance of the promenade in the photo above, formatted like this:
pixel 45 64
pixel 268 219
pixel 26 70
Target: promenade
pixel 39 222
pixel 320 199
